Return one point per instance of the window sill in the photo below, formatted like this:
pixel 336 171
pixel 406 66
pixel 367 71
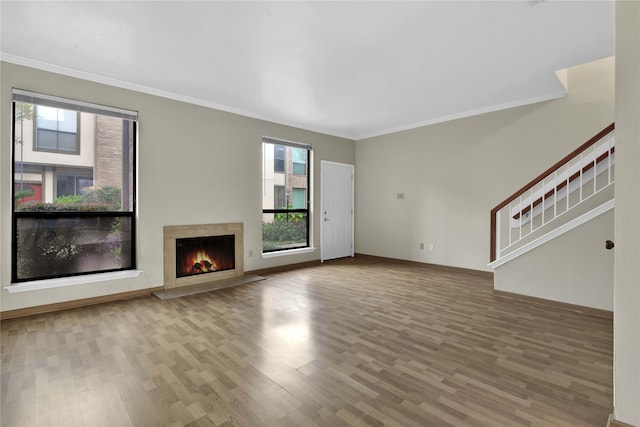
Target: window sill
pixel 277 254
pixel 37 285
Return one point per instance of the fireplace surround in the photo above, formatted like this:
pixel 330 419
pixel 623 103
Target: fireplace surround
pixel 176 233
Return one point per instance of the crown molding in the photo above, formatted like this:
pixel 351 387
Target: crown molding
pixel 476 112
pixel 96 78
pixel 354 136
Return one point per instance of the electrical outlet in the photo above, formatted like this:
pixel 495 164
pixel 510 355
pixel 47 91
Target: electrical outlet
pixel 250 252
pixel 421 246
pixel 431 247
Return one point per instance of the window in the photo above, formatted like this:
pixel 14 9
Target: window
pixel 56 130
pixel 278 158
pixel 299 157
pixel 72 185
pixel 285 202
pixel 72 215
pixel 279 201
pixel 299 198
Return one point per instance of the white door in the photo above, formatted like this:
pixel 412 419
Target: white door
pixel 336 210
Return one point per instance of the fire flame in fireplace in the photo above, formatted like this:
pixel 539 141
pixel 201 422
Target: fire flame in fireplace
pixel 202 263
pixel 207 254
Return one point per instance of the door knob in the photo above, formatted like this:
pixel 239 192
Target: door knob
pixel 609 244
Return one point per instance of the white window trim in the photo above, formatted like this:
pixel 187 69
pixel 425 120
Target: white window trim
pixel 59 282
pixel 276 254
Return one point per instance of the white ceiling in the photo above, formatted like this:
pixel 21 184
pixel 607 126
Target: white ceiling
pixel 351 69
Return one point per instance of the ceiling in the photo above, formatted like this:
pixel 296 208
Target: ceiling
pixel 351 69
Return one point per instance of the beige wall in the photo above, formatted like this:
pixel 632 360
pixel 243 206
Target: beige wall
pixel 196 165
pixel 454 173
pixel 627 219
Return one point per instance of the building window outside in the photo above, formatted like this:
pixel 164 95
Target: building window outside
pixel 299 198
pixel 72 185
pixel 279 201
pixel 278 158
pixel 299 160
pixel 56 130
pixel 285 203
pixel 72 215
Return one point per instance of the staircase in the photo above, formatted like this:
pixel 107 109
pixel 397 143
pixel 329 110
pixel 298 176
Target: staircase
pixel 548 238
pixel 571 192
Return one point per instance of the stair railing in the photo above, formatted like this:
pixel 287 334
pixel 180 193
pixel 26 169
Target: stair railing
pixel 578 176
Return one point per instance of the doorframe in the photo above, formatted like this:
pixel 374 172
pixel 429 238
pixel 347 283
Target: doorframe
pixel 353 179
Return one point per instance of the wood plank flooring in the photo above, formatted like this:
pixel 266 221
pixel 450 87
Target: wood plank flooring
pixel 354 342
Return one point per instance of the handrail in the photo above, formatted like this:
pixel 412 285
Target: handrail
pixel 493 246
pixel 563 184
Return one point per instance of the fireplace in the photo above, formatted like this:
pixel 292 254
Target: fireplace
pixel 203 253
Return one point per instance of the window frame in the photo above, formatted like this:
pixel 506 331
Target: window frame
pixel 288 211
pixel 129 119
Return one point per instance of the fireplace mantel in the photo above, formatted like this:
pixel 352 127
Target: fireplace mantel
pixel 173 232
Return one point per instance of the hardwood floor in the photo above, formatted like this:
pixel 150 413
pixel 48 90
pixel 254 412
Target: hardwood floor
pixel 354 342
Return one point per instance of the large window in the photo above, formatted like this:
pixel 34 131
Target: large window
pixel 72 214
pixel 285 200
